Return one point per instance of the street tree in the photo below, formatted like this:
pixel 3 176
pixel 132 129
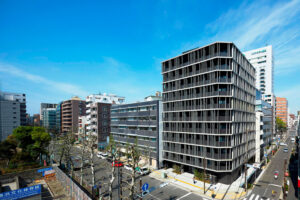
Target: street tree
pixel 83 149
pixel 92 145
pixel 113 150
pixel 280 125
pixel 68 141
pixel 133 155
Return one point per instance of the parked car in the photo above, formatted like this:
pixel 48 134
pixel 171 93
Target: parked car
pixel 104 156
pixel 292 139
pixel 276 173
pixel 99 154
pixel 143 171
pixel 117 164
pixel 128 167
pixel 286 150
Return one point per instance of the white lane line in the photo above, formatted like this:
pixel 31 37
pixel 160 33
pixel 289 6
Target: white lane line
pixel 275 185
pixel 154 196
pixel 185 195
pixel 257 197
pixel 251 197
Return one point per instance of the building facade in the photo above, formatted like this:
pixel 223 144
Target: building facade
pixel 209 110
pixel 282 109
pixel 264 126
pixel 58 118
pixel 45 106
pixel 70 111
pixel 98 115
pixel 139 122
pixel 17 97
pixel 9 117
pixel 262 60
pixel 49 119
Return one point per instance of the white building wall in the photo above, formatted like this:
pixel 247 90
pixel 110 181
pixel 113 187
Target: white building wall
pixel 258 134
pixel 262 60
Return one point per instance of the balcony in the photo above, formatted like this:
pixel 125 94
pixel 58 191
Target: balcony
pixel 134 123
pixel 134 132
pixel 135 114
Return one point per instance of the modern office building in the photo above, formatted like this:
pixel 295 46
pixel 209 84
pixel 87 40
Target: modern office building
pixel 264 124
pixel 209 110
pixel 49 119
pixel 98 115
pixel 141 122
pixel 262 60
pixel 9 117
pixel 282 109
pixel 18 97
pixel 58 118
pixel 70 111
pixel 45 106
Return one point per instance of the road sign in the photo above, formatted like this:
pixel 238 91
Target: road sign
pixel 21 193
pixel 145 186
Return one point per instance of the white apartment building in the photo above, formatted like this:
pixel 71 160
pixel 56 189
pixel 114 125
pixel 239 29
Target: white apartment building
pixel 262 60
pixel 98 115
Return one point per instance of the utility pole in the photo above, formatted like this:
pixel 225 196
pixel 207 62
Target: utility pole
pixel 284 178
pixel 246 160
pixel 204 167
pixel 120 185
pixel 141 187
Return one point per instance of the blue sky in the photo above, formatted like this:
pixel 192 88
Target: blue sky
pixel 52 50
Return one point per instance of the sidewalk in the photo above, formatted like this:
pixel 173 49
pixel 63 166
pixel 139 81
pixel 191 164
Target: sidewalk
pixel 221 191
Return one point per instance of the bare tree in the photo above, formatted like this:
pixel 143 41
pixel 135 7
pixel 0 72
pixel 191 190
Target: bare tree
pixel 68 142
pixel 133 155
pixel 114 151
pixel 84 145
pixel 92 145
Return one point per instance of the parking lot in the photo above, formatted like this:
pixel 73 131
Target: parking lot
pixel 158 190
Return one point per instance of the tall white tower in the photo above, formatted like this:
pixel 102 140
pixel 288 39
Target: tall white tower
pixel 262 60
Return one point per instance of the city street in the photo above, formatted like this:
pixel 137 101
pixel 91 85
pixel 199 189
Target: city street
pixel 267 183
pixel 158 189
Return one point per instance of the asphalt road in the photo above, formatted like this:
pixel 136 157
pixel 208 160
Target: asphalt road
pixel 263 189
pixel 158 189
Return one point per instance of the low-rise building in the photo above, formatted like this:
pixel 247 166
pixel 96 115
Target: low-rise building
pixel 139 122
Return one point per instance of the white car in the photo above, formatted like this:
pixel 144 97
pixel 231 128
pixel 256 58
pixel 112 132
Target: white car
pixel 104 156
pixel 143 171
pixel 99 154
pixel 282 144
pixel 293 139
pixel 128 167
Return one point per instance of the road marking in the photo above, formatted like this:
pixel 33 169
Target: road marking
pixel 252 196
pixel 275 185
pixel 257 197
pixel 185 195
pixel 154 196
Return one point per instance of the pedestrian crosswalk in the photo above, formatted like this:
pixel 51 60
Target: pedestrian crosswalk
pixel 255 197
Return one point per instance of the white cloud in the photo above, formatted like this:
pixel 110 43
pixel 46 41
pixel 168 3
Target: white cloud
pixel 58 86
